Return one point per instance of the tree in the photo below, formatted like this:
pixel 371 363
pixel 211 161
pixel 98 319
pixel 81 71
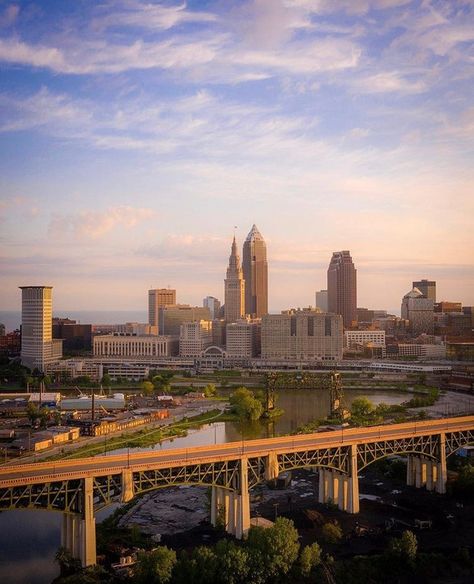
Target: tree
pixel 200 567
pixel 32 412
pixel 277 548
pixel 405 547
pixel 106 380
pixel 332 533
pixel 245 404
pixel 310 558
pixel 155 567
pixel 43 417
pixel 210 390
pixel 232 563
pixel 147 387
pixel 67 563
pixel 362 407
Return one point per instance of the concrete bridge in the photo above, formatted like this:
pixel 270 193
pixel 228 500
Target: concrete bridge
pixel 78 488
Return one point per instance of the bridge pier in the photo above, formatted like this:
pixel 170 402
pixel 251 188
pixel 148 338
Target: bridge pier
pixel 341 489
pixel 128 491
pixel 78 529
pixel 233 506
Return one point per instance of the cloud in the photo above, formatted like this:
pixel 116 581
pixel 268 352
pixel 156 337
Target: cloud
pixel 133 13
pixel 388 82
pixel 9 15
pixel 96 224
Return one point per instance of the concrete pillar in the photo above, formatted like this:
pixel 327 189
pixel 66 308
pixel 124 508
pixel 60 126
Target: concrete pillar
pixel 442 472
pixel 353 487
pixel 70 536
pixel 342 501
pixel 321 498
pixel 271 468
pixel 429 475
pixel 128 491
pixel 418 476
pixel 329 485
pixel 242 501
pixel 424 471
pixel 410 471
pixel 87 525
pixel 335 487
pixel 214 506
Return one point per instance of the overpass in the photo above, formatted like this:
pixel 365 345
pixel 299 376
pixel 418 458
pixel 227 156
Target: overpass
pixel 78 488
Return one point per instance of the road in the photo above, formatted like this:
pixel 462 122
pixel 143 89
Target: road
pixel 103 465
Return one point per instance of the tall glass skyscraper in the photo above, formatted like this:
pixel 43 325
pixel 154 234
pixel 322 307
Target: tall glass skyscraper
pixel 255 268
pixel 342 287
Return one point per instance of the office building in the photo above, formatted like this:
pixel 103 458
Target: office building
pixel 445 306
pixel 427 288
pixel 123 345
pixel 242 339
pixel 355 339
pixel 302 335
pixel 419 311
pixel 255 270
pixel 194 338
pixel 322 300
pixel 75 337
pixel 214 306
pixel 157 298
pixel 342 287
pixel 38 349
pixel 172 317
pixel 234 288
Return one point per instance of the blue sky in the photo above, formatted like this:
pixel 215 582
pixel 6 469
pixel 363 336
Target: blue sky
pixel 135 135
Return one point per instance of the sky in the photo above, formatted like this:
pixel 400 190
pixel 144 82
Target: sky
pixel 136 135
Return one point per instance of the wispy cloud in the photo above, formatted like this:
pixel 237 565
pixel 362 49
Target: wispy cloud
pixel 96 224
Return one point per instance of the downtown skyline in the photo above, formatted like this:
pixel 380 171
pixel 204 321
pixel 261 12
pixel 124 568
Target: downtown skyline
pixel 130 149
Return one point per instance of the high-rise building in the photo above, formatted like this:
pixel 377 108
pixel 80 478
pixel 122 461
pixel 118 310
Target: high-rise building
pixel 342 287
pixel 157 298
pixel 427 288
pixel 242 338
pixel 194 337
pixel 322 300
pixel 213 304
pixel 419 310
pixel 38 349
pixel 255 269
pixel 306 334
pixel 234 288
pixel 172 317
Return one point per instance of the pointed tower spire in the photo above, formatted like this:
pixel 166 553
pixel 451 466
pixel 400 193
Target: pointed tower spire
pixel 234 287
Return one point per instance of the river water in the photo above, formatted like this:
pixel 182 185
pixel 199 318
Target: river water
pixel 29 539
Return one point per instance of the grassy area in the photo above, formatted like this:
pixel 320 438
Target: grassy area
pixel 144 437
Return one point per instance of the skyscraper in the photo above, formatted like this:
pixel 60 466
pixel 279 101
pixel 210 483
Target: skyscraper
pixel 419 310
pixel 427 288
pixel 234 288
pixel 157 298
pixel 322 300
pixel 342 287
pixel 37 346
pixel 255 269
pixel 213 304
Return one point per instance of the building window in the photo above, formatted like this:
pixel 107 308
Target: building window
pixel 327 326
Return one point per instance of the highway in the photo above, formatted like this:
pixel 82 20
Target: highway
pixel 102 465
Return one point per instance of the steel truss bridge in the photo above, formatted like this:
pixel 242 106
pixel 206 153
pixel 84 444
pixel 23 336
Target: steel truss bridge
pixel 80 487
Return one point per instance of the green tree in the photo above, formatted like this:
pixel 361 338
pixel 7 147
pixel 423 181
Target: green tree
pixel 155 567
pixel 199 567
pixel 362 407
pixel 32 412
pixel 405 547
pixel 210 390
pixel 232 563
pixel 276 548
pixel 67 563
pixel 310 558
pixel 147 387
pixel 106 380
pixel 245 404
pixel 332 533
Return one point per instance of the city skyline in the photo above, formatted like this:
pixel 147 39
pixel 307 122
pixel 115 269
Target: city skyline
pixel 135 134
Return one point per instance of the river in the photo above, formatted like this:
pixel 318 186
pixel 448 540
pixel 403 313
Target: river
pixel 29 539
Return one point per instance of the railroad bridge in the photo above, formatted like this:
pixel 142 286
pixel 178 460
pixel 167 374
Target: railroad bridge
pixel 78 488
